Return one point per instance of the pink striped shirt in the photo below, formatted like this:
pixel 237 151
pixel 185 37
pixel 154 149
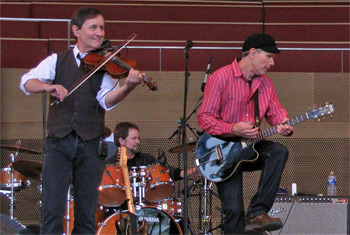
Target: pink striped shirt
pixel 228 99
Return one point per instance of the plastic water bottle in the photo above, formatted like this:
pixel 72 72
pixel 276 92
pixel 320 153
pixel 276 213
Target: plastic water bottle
pixel 332 184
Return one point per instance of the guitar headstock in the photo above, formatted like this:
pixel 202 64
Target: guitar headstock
pixel 319 112
pixel 123 157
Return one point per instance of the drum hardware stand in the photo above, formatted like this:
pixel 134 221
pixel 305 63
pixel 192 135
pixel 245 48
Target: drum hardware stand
pixel 12 197
pixel 138 187
pixel 221 226
pixel 206 218
pixel 69 199
pixel 205 214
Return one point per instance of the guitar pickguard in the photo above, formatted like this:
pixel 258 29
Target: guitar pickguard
pixel 217 159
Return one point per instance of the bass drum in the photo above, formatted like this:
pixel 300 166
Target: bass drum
pixel 158 221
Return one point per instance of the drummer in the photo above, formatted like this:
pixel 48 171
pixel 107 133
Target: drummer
pixel 126 134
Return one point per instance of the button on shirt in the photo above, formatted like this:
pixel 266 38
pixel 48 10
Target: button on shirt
pixel 228 100
pixel 46 72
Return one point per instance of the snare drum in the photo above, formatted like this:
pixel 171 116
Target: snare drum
pixel 159 184
pixel 172 206
pixel 19 180
pixel 112 188
pixel 158 222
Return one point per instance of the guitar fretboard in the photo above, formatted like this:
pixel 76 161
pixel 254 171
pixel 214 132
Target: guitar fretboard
pixel 273 130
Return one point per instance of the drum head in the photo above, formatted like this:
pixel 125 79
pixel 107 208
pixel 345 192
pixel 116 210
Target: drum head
pixel 158 222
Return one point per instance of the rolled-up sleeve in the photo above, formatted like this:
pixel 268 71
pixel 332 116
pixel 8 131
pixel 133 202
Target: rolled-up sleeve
pixel 108 84
pixel 45 72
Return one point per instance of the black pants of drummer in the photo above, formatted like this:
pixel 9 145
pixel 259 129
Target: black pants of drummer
pixel 272 159
pixel 70 160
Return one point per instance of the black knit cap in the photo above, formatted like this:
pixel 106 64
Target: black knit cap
pixel 260 41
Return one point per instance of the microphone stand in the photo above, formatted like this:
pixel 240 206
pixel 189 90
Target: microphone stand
pixel 189 45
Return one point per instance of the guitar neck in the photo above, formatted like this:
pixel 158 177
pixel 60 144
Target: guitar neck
pixel 131 206
pixel 273 130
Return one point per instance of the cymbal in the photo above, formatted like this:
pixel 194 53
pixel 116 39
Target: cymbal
pixel 107 132
pixel 19 148
pixel 179 149
pixel 30 169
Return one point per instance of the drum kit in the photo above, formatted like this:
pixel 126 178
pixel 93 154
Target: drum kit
pixel 15 176
pixel 151 186
pixel 151 189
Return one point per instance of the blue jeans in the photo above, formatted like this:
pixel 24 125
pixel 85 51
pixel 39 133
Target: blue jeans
pixel 272 160
pixel 70 160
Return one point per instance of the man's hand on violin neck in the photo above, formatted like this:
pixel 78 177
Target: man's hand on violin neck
pixel 134 78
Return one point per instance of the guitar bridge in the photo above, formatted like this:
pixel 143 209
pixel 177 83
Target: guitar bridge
pixel 244 143
pixel 219 154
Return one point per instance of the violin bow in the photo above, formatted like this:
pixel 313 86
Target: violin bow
pixel 98 66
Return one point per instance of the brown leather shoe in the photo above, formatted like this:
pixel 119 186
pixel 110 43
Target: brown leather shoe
pixel 264 222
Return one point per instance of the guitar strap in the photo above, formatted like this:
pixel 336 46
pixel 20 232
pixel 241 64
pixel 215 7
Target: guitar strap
pixel 256 109
pixel 256 105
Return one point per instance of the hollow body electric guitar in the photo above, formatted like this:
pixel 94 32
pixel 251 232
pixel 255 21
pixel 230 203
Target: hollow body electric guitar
pixel 219 158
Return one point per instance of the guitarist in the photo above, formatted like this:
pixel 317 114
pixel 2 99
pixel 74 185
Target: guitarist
pixel 228 111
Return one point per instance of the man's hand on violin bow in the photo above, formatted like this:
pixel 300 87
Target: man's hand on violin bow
pixel 57 91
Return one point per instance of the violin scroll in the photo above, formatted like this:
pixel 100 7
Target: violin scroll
pixel 151 85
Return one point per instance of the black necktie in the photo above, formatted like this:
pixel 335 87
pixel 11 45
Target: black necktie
pixel 81 62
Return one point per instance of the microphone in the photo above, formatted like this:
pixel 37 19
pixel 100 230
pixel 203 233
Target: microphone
pixel 206 75
pixel 189 45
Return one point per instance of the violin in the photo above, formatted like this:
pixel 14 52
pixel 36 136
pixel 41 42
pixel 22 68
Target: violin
pixel 116 67
pixel 108 57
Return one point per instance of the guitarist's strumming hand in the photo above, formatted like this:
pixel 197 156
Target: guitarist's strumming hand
pixel 245 129
pixel 284 129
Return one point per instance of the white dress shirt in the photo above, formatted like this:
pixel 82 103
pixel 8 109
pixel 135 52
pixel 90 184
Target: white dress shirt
pixel 46 72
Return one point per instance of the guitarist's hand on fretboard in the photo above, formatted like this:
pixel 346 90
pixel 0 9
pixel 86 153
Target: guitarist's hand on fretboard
pixel 285 129
pixel 245 129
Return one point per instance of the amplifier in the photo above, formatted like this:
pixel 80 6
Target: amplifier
pixel 312 214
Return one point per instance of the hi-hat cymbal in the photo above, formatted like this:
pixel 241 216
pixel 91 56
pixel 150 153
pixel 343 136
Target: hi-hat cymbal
pixel 30 169
pixel 180 148
pixel 19 148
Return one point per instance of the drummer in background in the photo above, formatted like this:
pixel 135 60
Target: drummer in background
pixel 126 134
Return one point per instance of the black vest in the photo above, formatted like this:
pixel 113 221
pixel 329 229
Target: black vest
pixel 78 111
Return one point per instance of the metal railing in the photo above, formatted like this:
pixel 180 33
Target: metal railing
pixel 174 47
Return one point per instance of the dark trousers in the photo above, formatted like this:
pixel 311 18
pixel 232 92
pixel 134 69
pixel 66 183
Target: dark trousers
pixel 272 160
pixel 70 160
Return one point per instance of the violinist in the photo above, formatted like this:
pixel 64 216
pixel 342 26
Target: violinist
pixel 75 125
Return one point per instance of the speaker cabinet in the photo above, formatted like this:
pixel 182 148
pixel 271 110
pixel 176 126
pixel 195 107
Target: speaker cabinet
pixel 312 215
